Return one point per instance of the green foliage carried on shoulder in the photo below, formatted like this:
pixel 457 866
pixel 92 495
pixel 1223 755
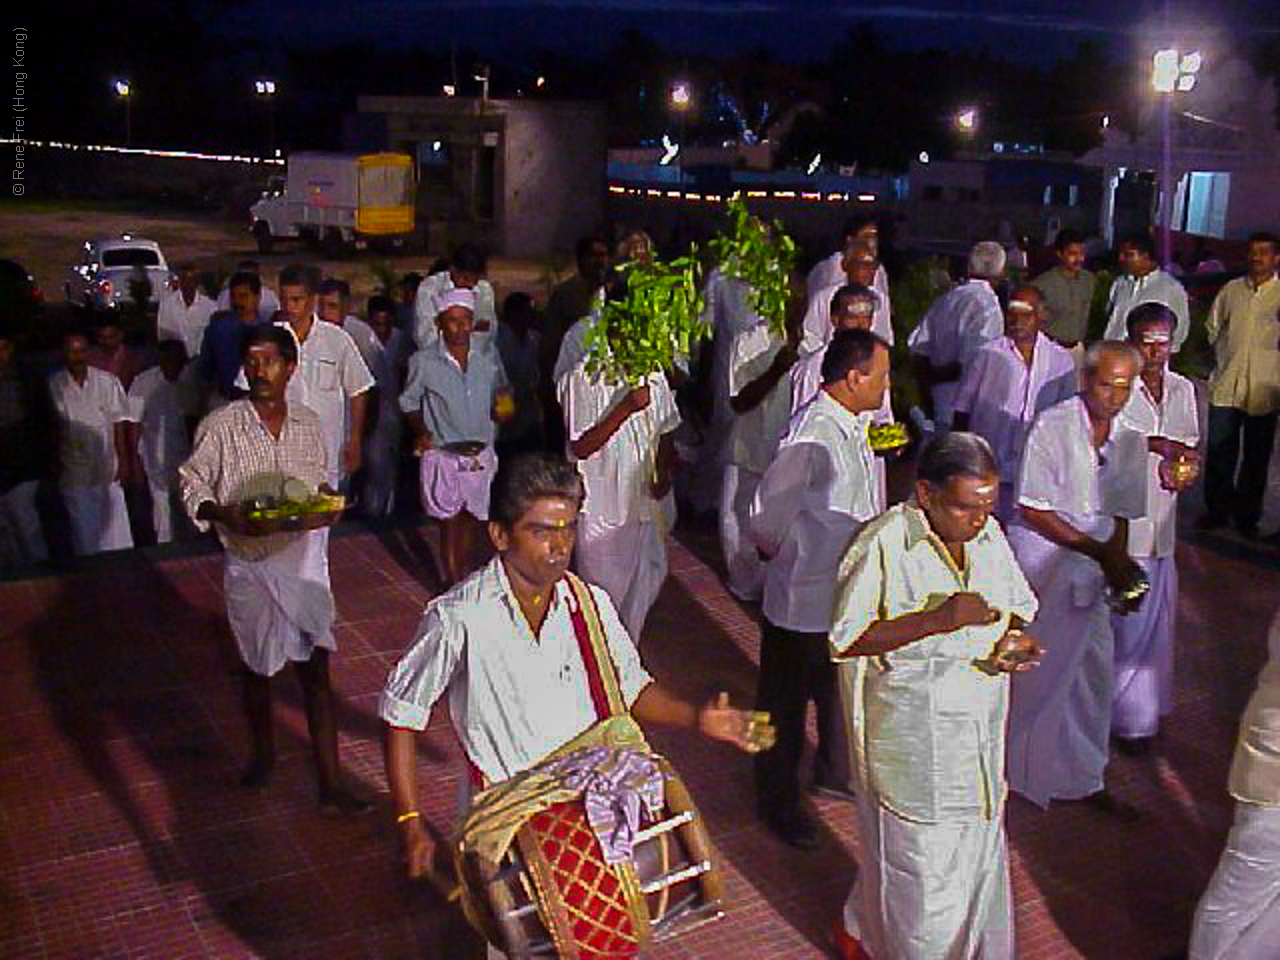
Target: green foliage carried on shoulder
pixel 656 322
pixel 762 256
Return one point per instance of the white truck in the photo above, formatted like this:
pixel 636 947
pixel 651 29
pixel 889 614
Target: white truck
pixel 338 200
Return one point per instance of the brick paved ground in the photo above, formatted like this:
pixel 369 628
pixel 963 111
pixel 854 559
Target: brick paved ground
pixel 122 832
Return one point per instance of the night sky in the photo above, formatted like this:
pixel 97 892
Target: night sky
pixel 793 30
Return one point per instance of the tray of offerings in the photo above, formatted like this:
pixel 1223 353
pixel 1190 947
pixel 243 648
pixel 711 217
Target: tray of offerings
pixel 288 513
pixel 887 437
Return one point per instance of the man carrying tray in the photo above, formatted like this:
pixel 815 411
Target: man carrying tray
pixel 529 655
pixel 276 583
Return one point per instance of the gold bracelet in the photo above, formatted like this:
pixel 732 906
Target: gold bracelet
pixel 406 817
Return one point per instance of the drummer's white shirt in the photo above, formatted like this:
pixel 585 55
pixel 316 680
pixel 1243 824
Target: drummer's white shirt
pixel 513 697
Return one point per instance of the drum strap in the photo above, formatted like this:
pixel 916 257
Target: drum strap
pixel 602 673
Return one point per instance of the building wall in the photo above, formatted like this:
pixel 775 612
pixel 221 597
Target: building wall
pixel 554 163
pixel 1254 202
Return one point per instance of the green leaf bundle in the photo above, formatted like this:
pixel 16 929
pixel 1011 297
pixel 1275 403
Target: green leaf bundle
pixel 762 256
pixel 654 324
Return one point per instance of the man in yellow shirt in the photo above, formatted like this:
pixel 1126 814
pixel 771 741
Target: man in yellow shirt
pixel 1244 391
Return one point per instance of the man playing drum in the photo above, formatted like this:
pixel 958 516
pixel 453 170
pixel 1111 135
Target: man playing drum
pixel 508 647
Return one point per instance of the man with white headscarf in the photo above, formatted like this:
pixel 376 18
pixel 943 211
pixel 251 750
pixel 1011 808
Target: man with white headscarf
pixel 955 327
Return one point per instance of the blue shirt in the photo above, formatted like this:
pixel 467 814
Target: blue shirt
pixel 221 351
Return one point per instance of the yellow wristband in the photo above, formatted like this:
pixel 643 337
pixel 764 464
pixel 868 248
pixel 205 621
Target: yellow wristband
pixel 406 817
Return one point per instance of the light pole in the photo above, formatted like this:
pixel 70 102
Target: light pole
pixel 266 91
pixel 125 92
pixel 1171 73
pixel 681 99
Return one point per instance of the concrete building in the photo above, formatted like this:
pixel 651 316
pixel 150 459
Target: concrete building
pixel 999 196
pixel 1222 152
pixel 523 178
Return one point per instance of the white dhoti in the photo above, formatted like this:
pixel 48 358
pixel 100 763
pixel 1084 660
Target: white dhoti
pixel 21 539
pixel 451 483
pixel 99 518
pixel 629 562
pixel 281 608
pixel 1144 654
pixel 930 891
pixel 162 509
pixel 742 561
pixel 1060 713
pixel 1239 915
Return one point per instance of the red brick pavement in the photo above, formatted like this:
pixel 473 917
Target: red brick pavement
pixel 122 833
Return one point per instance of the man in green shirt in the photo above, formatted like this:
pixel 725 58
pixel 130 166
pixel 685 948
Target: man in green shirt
pixel 1067 290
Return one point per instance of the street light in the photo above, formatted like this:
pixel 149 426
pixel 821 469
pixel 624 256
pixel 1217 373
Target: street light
pixel 681 99
pixel 125 92
pixel 967 121
pixel 1172 72
pixel 266 92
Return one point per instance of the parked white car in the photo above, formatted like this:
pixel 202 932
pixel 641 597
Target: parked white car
pixel 105 275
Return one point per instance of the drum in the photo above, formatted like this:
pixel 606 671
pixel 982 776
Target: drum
pixel 553 894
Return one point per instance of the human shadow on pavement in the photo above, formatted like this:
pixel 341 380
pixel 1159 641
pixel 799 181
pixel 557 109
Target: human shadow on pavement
pixel 135 664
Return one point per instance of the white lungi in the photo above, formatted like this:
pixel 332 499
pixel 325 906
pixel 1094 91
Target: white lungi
pixel 1144 654
pixel 1060 713
pixel 162 498
pixel 745 569
pixel 1239 915
pixel 99 518
pixel 451 483
pixel 281 608
pixel 21 540
pixel 629 562
pixel 932 891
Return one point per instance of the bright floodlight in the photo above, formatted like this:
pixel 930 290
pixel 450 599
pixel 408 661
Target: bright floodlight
pixel 540 82
pixel 681 94
pixel 669 151
pixel 814 164
pixel 967 119
pixel 1190 63
pixel 1106 120
pixel 449 89
pixel 265 88
pixel 924 156
pixel 121 87
pixel 1164 71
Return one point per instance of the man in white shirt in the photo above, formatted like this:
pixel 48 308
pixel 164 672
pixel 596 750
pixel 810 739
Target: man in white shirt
pixel 452 402
pixel 815 496
pixel 930 607
pixel 508 647
pixel 268 304
pixel 1142 281
pixel 1239 915
pixel 1010 381
pixel 857 261
pixel 727 311
pixel 93 444
pixel 279 603
pixel 1083 478
pixel 333 305
pixel 467 268
pixel 382 445
pixel 330 377
pixel 162 400
pixel 184 313
pixel 953 330
pixel 760 397
pixel 622 440
pixel 1162 408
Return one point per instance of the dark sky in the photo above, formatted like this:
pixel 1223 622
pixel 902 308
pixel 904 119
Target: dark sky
pixel 794 30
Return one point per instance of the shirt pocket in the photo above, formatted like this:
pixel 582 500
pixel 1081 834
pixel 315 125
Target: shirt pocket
pixel 327 379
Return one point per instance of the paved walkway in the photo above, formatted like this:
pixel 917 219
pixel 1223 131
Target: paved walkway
pixel 123 834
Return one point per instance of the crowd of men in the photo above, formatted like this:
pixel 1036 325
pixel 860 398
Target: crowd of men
pixel 1040 532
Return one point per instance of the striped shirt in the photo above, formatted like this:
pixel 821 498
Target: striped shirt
pixel 236 458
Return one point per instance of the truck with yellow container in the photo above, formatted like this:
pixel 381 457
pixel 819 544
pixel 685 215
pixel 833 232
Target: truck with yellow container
pixel 337 201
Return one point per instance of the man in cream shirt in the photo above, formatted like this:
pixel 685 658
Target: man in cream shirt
pixel 930 605
pixel 1239 914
